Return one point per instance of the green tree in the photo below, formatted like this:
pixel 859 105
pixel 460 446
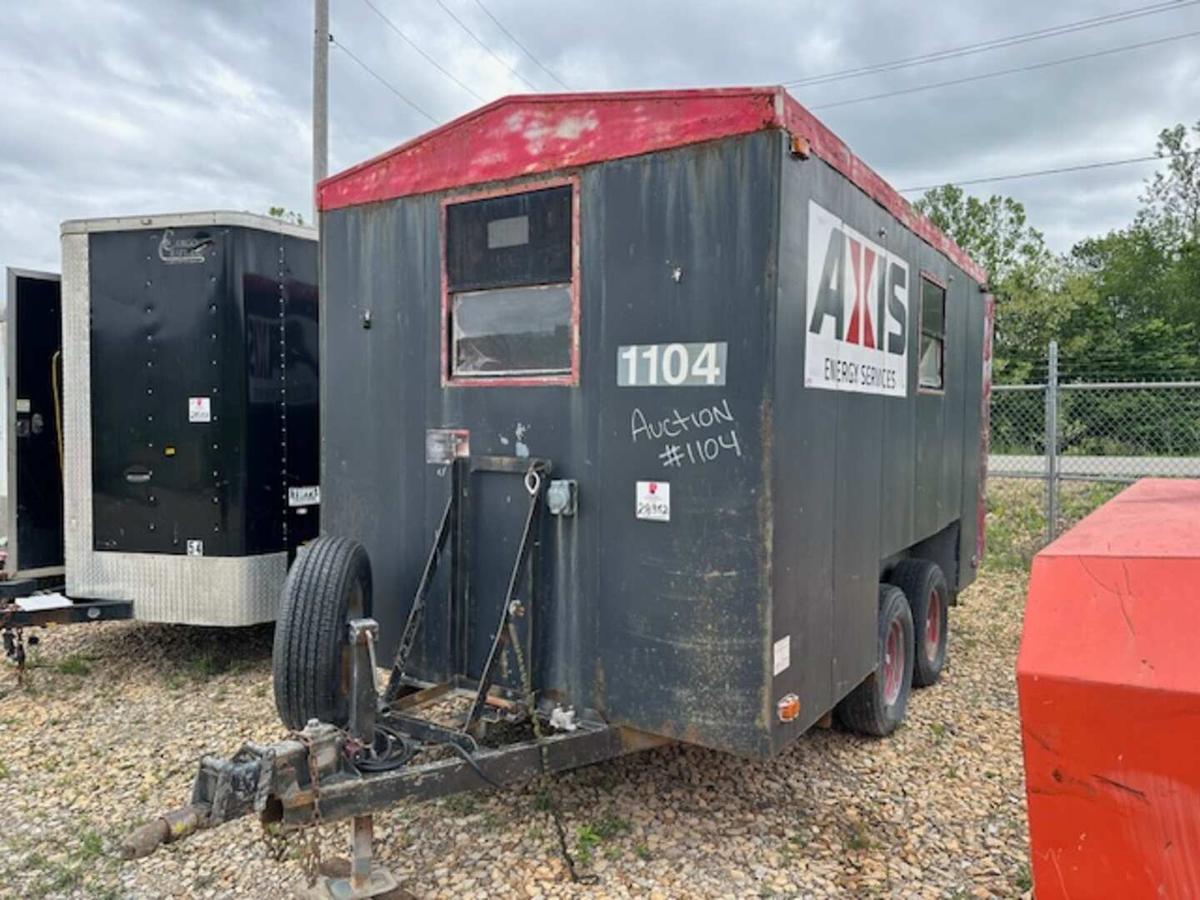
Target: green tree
pixel 1171 201
pixel 995 231
pixel 281 212
pixel 1022 272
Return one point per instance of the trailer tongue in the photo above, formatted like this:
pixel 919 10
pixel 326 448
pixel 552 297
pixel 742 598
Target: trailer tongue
pixel 382 752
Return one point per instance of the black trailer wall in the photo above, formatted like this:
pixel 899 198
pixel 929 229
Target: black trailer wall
pixel 34 473
pixel 859 478
pixel 191 365
pixel 643 617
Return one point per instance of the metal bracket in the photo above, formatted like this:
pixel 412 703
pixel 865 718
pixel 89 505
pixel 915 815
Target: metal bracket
pixel 535 485
pixel 362 634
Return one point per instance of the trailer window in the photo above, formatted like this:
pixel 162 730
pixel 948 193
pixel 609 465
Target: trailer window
pixel 933 335
pixel 509 268
pixel 510 331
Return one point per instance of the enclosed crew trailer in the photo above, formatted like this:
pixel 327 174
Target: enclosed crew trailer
pixel 645 417
pixel 190 400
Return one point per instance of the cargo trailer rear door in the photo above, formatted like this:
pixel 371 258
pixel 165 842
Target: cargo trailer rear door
pixel 165 387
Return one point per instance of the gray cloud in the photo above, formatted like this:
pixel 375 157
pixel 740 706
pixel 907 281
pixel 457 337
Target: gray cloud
pixel 114 108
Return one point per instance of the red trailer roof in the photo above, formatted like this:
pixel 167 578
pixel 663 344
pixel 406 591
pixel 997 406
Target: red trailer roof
pixel 529 134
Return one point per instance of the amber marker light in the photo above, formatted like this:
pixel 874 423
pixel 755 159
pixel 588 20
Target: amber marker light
pixel 788 708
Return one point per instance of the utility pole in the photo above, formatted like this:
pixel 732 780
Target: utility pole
pixel 320 96
pixel 1052 443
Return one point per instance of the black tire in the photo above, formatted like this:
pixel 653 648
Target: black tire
pixel 329 584
pixel 925 587
pixel 878 705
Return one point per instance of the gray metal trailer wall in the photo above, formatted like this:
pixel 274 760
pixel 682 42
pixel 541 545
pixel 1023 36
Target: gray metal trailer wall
pixel 858 479
pixel 665 627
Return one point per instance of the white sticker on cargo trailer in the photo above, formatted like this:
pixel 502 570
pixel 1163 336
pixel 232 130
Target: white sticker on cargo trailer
pixel 23 405
pixel 857 311
pixel 782 654
pixel 199 409
pixel 653 501
pixel 672 365
pixel 195 548
pixel 308 495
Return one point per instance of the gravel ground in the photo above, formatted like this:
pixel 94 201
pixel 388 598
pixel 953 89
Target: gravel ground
pixel 107 729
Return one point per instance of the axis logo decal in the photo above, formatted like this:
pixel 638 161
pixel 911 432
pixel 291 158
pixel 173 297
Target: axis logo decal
pixel 857 334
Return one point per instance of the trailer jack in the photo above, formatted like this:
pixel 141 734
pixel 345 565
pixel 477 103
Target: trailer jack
pixel 327 774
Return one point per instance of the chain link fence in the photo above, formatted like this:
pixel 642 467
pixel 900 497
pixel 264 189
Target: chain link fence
pixel 1102 431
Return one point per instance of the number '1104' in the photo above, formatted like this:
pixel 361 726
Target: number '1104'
pixel 674 365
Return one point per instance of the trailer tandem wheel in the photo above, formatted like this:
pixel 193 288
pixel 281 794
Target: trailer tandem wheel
pixel 928 597
pixel 878 705
pixel 329 584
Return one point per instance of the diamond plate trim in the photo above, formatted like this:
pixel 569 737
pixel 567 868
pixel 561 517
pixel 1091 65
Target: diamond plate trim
pixel 190 590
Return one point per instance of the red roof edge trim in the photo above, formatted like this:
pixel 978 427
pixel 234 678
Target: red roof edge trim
pixel 527 135
pixel 829 147
pixel 524 135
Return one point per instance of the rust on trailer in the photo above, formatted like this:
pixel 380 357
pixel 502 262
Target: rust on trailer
pixel 1110 702
pixel 524 135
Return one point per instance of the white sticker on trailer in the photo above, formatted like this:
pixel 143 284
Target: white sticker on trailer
pixel 309 495
pixel 672 365
pixel 195 548
pixel 782 654
pixel 857 315
pixel 199 409
pixel 653 501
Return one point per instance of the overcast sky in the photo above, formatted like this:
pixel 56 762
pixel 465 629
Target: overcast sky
pixel 112 107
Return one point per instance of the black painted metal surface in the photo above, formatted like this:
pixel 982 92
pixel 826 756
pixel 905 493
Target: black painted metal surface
pixel 37 316
pixel 204 390
pixel 787 503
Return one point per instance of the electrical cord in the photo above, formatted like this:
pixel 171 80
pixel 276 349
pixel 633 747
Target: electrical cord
pixel 398 750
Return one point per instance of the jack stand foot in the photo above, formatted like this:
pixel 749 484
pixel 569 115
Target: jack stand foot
pixel 380 882
pixel 364 879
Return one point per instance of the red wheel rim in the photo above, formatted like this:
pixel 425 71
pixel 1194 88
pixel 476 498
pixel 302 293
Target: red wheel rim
pixel 893 662
pixel 933 626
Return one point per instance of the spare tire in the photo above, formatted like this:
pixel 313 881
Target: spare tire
pixel 328 585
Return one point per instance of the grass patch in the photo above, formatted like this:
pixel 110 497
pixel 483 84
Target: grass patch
pixel 91 846
pixel 543 802
pixel 207 666
pixel 461 804
pixel 1024 878
pixel 611 826
pixel 1016 517
pixel 857 837
pixel 73 665
pixel 586 842
pixel 591 836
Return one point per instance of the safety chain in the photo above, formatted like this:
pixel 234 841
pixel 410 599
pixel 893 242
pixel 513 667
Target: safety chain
pixel 533 480
pixel 308 838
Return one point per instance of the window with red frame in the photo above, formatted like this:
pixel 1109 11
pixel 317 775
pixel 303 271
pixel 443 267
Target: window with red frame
pixel 509 270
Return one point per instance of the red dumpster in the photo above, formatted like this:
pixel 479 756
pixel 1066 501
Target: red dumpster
pixel 1109 683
